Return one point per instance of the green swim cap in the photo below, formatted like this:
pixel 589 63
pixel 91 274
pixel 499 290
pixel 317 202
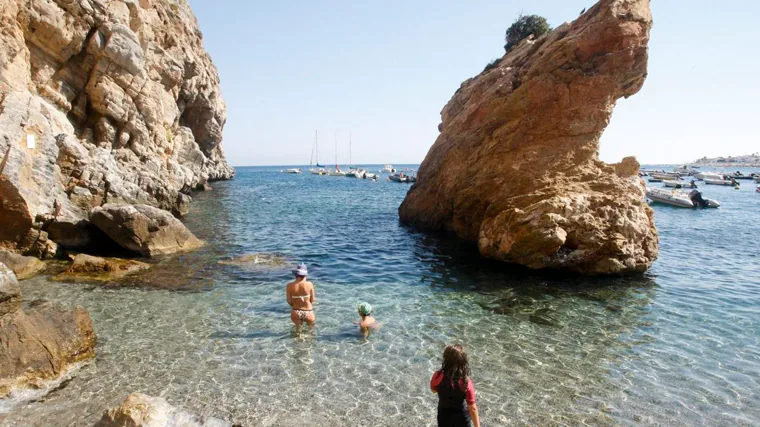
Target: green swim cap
pixel 365 309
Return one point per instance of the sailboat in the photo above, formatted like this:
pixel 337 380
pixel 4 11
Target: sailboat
pixel 337 171
pixel 319 169
pixel 353 172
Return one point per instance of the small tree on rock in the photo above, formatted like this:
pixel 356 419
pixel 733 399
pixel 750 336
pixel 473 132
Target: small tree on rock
pixel 524 26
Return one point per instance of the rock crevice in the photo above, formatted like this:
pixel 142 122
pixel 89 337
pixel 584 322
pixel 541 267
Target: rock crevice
pixel 516 165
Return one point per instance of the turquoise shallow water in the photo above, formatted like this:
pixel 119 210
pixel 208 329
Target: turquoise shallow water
pixel 679 346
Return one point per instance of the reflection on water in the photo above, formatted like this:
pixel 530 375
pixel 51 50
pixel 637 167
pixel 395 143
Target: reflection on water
pixel 679 346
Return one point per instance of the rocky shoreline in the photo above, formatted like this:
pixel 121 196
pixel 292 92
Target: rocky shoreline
pixel 111 115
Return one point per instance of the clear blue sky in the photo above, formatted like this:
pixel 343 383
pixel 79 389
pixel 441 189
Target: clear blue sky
pixel 384 70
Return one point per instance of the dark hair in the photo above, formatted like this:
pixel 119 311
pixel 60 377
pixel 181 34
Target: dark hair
pixel 455 366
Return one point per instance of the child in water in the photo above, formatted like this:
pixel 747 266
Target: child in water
pixel 368 321
pixel 456 393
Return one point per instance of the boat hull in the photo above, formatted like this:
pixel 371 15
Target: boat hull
pixel 674 198
pixel 717 182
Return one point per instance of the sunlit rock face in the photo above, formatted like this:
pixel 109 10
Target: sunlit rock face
pixel 516 166
pixel 104 101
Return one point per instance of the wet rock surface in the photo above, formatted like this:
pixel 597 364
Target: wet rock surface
pixel 41 342
pixel 91 268
pixel 141 410
pixel 23 267
pixel 516 165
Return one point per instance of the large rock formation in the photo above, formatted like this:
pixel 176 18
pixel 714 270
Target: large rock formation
pixel 143 229
pixel 516 165
pixel 141 410
pixel 103 101
pixel 39 343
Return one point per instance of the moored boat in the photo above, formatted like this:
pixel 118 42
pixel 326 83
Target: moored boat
pixel 680 184
pixel 294 170
pixel 713 181
pixel 680 199
pixel 757 179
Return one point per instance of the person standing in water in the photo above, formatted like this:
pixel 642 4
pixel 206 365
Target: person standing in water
pixel 300 297
pixel 368 321
pixel 456 392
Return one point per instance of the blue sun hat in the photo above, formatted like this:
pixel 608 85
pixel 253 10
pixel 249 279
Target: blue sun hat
pixel 365 309
pixel 301 270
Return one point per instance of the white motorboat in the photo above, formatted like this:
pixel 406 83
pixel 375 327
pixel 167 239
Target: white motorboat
pixel 679 184
pixel 368 175
pixel 712 175
pixel 665 175
pixel 720 181
pixel 673 198
pixel 389 169
pixel 680 199
pixel 318 171
pixel 293 171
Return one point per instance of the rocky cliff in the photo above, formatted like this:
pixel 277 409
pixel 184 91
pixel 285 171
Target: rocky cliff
pixel 516 165
pixel 102 101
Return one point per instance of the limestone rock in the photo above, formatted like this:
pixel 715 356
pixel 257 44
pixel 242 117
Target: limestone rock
pixel 10 292
pixel 41 343
pixel 103 102
pixel 516 165
pixel 91 268
pixel 23 267
pixel 144 229
pixel 140 410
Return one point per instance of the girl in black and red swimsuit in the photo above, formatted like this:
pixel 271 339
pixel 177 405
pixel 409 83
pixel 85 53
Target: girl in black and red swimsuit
pixel 456 393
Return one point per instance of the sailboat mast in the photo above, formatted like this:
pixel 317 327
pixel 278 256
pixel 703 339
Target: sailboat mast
pixel 311 161
pixel 350 163
pixel 316 144
pixel 336 151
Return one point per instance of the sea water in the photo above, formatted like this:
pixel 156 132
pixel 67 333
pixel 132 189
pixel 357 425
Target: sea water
pixel 677 346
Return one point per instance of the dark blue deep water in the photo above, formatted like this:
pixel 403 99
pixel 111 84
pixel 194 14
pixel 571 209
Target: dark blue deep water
pixel 678 346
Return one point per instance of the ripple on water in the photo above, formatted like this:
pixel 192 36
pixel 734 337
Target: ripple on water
pixel 679 346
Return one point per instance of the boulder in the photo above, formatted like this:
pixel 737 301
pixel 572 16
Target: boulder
pixel 515 168
pixel 143 229
pixel 23 267
pixel 91 268
pixel 10 291
pixel 42 343
pixel 98 106
pixel 141 410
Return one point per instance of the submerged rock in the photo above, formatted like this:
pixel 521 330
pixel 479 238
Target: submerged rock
pixel 103 102
pixel 141 410
pixel 516 166
pixel 39 343
pixel 257 260
pixel 87 268
pixel 144 229
pixel 23 267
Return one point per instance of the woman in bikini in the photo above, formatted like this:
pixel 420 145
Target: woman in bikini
pixel 300 296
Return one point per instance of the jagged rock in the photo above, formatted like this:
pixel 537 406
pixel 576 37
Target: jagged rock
pixel 91 268
pixel 516 165
pixel 37 244
pixel 144 229
pixel 10 291
pixel 141 410
pixel 122 102
pixel 41 343
pixel 23 267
